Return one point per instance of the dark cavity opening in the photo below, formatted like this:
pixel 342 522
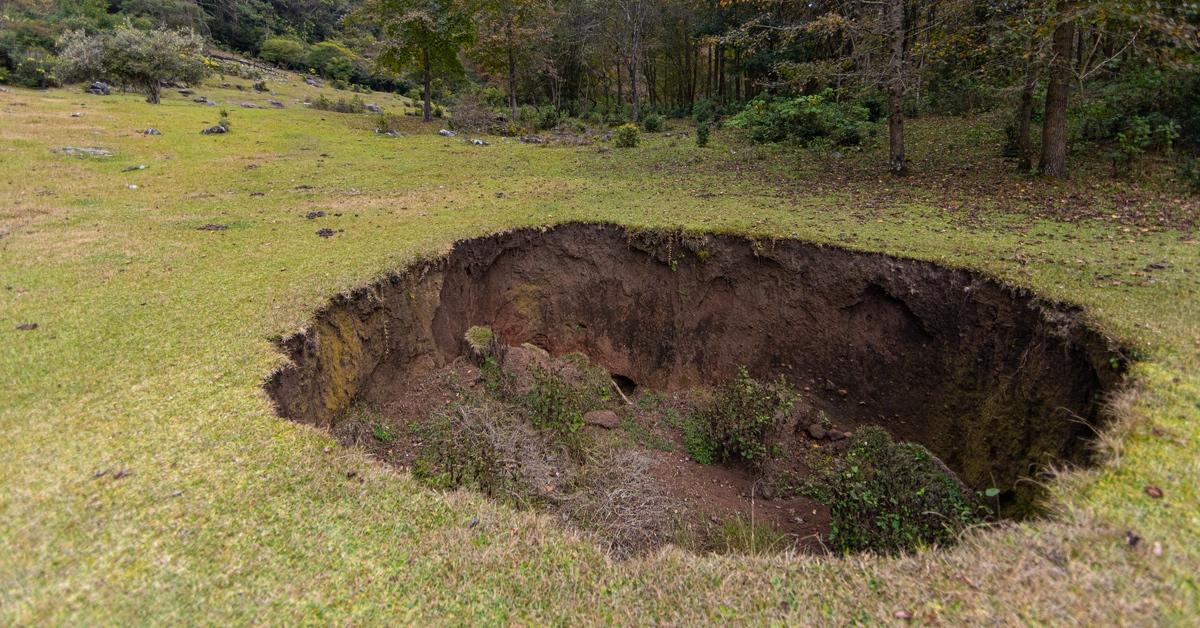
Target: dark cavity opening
pixel 995 381
pixel 624 384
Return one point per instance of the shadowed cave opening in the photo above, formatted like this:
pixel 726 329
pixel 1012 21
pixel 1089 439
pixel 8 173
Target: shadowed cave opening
pixel 996 382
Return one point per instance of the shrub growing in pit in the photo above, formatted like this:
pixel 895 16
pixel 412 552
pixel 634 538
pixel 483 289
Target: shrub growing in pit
pixel 734 426
pixel 890 497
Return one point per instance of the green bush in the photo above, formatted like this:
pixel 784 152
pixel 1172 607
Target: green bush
pixel 803 119
pixel 554 404
pixel 743 411
pixel 890 497
pixel 285 51
pixel 653 123
pixel 341 105
pixel 333 61
pixel 627 135
pixel 704 110
pixel 35 68
pixel 702 132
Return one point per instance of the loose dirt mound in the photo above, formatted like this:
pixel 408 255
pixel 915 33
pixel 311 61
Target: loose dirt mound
pixel 993 380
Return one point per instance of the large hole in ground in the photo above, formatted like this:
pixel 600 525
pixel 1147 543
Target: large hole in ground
pixel 994 381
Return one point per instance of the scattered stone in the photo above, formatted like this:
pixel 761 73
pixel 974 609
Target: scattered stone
pixel 817 431
pixel 1132 539
pixel 248 105
pixel 84 151
pixel 275 103
pixel 532 139
pixel 606 419
pixel 478 142
pixel 387 133
pixel 212 227
pixel 121 473
pixel 201 99
pixel 1157 266
pixel 151 131
pixel 473 522
pixel 312 82
pixel 373 108
pixel 185 92
pixel 132 186
pixel 1153 491
pixel 133 168
pixel 315 215
pixel 214 130
pixel 77 114
pixel 326 232
pixel 27 326
pixel 99 88
pixel 446 133
pixel 835 435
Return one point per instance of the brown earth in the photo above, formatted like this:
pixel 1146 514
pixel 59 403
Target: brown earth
pixel 995 381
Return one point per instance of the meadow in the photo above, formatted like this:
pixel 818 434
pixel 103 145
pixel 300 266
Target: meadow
pixel 147 479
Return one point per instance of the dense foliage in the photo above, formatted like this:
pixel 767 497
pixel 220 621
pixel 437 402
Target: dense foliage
pixel 1118 76
pixel 890 497
pixel 140 59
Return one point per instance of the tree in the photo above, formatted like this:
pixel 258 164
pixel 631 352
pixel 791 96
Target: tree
pixel 629 26
pixel 894 83
pixel 421 34
pixel 1058 91
pixel 511 32
pixel 139 59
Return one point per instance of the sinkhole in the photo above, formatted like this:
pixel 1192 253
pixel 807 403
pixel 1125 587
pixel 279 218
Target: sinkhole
pixel 994 381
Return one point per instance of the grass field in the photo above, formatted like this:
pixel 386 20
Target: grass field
pixel 146 479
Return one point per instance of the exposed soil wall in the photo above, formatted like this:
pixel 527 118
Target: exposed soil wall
pixel 995 381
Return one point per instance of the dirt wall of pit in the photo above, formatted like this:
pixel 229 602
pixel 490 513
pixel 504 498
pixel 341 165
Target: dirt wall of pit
pixel 995 381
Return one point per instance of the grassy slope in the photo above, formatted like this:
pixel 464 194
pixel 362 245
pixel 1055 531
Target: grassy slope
pixel 153 341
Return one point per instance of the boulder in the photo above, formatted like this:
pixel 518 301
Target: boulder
pixel 248 105
pixel 478 142
pixel 446 133
pixel 151 131
pixel 99 88
pixel 817 431
pixel 214 130
pixel 373 108
pixel 312 82
pixel 275 103
pixel 606 419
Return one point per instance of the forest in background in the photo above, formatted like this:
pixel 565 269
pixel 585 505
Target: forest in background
pixel 1118 74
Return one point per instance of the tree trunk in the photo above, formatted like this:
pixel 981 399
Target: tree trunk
pixel 1024 126
pixel 633 88
pixel 153 92
pixel 620 89
pixel 427 79
pixel 512 69
pixel 721 72
pixel 1058 91
pixel 895 87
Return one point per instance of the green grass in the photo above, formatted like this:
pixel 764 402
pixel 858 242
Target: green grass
pixel 154 338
